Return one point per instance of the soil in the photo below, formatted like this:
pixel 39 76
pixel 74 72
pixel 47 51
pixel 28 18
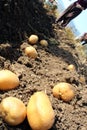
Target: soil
pixel 48 69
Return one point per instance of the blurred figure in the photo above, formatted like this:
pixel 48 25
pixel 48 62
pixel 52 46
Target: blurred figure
pixel 51 5
pixel 51 2
pixel 71 12
pixel 83 39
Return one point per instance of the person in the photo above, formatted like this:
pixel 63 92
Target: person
pixel 51 2
pixel 71 12
pixel 83 39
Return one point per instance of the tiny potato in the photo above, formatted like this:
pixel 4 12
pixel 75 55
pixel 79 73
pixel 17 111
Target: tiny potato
pixel 44 42
pixel 82 79
pixel 71 67
pixel 33 39
pixel 8 80
pixel 31 52
pixel 63 90
pixel 12 110
pixel 40 114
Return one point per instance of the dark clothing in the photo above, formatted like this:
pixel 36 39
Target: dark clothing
pixel 70 13
pixel 84 37
pixel 83 3
pixel 85 42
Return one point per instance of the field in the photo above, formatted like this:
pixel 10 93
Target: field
pixel 48 69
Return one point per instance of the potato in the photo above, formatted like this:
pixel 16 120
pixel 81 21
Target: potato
pixel 63 90
pixel 8 80
pixel 31 52
pixel 71 67
pixel 82 79
pixel 13 110
pixel 44 42
pixel 39 112
pixel 33 39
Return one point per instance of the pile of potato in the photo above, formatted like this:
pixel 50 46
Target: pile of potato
pixel 39 112
pixel 30 51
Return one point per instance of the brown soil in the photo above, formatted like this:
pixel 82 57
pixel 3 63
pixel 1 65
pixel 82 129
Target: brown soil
pixel 49 68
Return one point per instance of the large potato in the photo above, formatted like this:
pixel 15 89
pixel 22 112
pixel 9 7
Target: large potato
pixel 8 80
pixel 12 110
pixel 39 112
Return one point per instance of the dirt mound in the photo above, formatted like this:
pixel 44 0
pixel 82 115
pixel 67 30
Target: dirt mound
pixel 49 68
pixel 20 19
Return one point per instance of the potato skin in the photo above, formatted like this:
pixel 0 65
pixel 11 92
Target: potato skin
pixel 8 80
pixel 12 110
pixel 39 112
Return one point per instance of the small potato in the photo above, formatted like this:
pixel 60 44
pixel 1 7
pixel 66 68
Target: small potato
pixel 71 67
pixel 31 52
pixel 64 91
pixel 12 110
pixel 33 39
pixel 39 112
pixel 82 79
pixel 8 80
pixel 44 42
